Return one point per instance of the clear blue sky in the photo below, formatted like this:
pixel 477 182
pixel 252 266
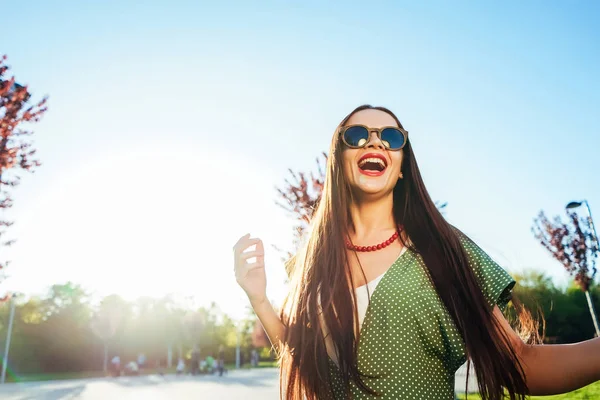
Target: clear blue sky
pixel 501 100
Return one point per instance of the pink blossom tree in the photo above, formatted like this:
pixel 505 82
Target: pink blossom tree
pixel 16 151
pixel 574 244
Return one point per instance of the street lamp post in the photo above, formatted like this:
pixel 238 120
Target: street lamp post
pixel 575 204
pixel 237 347
pixel 8 336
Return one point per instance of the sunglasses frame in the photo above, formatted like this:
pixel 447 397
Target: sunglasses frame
pixel 343 130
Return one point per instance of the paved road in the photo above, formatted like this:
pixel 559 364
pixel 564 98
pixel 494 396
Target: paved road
pixel 246 385
pixel 255 384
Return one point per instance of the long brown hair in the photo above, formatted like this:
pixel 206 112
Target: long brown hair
pixel 321 282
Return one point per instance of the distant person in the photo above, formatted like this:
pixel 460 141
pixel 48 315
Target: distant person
pixel 131 369
pixel 141 361
pixel 254 358
pixel 210 364
pixel 386 297
pixel 195 360
pixel 180 367
pixel 221 360
pixel 116 366
pixel 159 367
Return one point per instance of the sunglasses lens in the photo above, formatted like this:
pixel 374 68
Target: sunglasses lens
pixel 356 136
pixel 392 138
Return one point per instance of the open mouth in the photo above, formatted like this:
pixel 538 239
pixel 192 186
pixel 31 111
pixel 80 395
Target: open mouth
pixel 372 164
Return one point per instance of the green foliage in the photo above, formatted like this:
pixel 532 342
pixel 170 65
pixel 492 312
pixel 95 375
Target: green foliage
pixel 64 332
pixel 565 312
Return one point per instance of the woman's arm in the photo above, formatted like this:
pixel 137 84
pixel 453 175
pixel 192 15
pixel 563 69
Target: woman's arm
pixel 555 369
pixel 270 322
pixel 252 278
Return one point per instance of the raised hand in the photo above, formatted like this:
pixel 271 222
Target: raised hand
pixel 250 276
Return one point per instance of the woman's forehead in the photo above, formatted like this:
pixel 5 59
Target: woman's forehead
pixel 372 118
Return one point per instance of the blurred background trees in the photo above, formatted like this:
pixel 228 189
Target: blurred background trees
pixel 64 332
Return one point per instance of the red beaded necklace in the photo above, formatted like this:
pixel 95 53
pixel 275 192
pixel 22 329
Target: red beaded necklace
pixel 379 246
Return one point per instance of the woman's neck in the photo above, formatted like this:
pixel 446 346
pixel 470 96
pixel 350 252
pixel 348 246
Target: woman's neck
pixel 371 218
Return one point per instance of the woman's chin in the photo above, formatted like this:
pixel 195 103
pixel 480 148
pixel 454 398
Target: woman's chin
pixel 371 188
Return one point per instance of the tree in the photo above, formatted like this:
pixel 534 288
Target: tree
pixel 65 325
pixel 106 321
pixel 16 152
pixel 575 246
pixel 301 197
pixel 63 297
pixel 194 324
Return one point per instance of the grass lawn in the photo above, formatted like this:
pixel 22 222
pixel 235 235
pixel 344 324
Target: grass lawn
pixel 261 364
pixel 54 376
pixel 268 364
pixel 589 392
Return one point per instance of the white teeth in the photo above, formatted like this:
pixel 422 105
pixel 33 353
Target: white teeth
pixel 373 160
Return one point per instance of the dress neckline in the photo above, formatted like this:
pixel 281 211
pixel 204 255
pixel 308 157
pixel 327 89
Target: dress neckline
pixel 379 277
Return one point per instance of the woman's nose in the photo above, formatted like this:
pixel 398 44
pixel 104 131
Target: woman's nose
pixel 374 141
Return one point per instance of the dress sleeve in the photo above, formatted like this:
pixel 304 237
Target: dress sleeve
pixel 496 284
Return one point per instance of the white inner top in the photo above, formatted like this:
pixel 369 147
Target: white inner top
pixel 364 292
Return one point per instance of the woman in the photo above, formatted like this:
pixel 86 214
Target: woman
pixel 387 299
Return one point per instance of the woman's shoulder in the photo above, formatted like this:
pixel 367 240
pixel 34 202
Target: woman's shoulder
pixel 495 282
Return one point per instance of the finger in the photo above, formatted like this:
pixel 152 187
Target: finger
pixel 261 249
pixel 255 265
pixel 244 242
pixel 250 254
pixel 247 268
pixel 249 243
pixel 240 240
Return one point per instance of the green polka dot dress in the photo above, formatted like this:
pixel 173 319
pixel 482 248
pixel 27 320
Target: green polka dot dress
pixel 408 340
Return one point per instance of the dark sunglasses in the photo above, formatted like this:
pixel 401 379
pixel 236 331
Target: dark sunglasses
pixel 357 136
